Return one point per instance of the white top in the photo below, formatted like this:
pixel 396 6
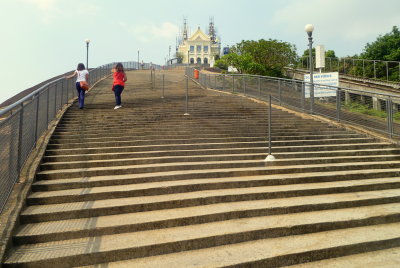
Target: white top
pixel 81 75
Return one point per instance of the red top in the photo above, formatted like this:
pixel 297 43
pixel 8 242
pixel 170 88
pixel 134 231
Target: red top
pixel 118 79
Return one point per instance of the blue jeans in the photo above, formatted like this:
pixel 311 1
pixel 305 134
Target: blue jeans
pixel 81 95
pixel 117 92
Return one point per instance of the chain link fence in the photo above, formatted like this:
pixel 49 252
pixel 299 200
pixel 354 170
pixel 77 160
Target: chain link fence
pixel 370 110
pixel 379 70
pixel 22 123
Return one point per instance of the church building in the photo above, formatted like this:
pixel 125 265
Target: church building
pixel 199 48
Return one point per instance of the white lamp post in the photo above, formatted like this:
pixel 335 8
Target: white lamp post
pixel 309 30
pixel 87 41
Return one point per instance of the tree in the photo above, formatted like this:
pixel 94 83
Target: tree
pixel 179 57
pixel 386 47
pixel 330 54
pixel 264 57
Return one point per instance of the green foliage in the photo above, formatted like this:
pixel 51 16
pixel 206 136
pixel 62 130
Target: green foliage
pixel 263 57
pixel 386 47
pixel 364 109
pixel 179 57
pixel 306 53
pixel 222 64
pixel 330 54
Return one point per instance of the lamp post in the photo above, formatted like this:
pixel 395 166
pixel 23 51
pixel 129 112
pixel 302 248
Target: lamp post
pixel 87 41
pixel 309 29
pixel 138 64
pixel 188 57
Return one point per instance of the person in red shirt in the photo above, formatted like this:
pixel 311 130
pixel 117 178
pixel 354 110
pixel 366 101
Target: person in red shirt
pixel 118 84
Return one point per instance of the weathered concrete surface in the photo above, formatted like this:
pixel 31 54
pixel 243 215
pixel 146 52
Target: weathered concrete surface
pixel 146 186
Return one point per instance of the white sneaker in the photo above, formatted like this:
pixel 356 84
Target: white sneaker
pixel 117 107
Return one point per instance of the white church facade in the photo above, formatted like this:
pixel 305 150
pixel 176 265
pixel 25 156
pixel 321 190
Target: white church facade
pixel 199 48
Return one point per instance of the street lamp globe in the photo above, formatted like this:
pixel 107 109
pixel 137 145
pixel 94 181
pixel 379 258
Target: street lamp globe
pixel 87 41
pixel 309 28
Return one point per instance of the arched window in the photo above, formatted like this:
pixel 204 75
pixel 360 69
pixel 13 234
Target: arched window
pixel 198 61
pixel 191 61
pixel 205 61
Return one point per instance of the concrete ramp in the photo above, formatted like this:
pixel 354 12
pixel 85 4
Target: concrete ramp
pixel 147 186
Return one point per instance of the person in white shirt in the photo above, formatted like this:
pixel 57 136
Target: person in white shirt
pixel 81 75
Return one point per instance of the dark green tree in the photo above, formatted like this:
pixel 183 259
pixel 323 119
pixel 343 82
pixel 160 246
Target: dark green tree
pixel 179 57
pixel 264 57
pixel 386 47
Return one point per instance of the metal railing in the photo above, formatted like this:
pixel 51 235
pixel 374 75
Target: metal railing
pixel 370 110
pixel 388 71
pixel 22 123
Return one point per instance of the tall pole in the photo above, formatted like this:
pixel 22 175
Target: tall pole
pixel 188 57
pixel 87 53
pixel 309 29
pixel 138 64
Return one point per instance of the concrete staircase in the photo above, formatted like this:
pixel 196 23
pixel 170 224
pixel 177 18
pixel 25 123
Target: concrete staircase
pixel 146 186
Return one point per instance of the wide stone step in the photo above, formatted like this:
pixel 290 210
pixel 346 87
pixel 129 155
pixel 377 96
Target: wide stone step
pixel 134 142
pixel 385 258
pixel 221 177
pixel 221 158
pixel 307 235
pixel 134 190
pixel 158 219
pixel 205 137
pixel 277 146
pixel 93 208
pixel 285 251
pixel 188 133
pixel 260 153
pixel 246 168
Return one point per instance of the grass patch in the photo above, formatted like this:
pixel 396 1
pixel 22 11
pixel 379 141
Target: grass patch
pixel 364 109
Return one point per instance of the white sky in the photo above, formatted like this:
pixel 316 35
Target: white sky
pixel 40 39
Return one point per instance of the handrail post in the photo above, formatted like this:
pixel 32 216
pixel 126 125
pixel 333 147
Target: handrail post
pixel 37 119
pixel 187 93
pixel 269 157
pixel 20 130
pixel 244 84
pixel 303 95
pixel 233 84
pixel 259 86
pixel 163 86
pixel 389 108
pixel 280 92
pixel 338 105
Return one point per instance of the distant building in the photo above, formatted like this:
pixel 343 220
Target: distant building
pixel 199 48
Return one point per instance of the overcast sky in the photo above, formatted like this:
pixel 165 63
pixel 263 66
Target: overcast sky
pixel 43 38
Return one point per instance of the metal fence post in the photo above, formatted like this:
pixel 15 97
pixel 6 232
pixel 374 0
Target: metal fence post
pixel 374 70
pixel 223 82
pixel 303 95
pixel 279 92
pixel 344 65
pixel 163 86
pixel 20 136
pixel 259 87
pixel 55 102
pixel 187 93
pixel 387 72
pixel 338 105
pixel 233 84
pixel 244 84
pixel 389 109
pixel 269 157
pixel 37 118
